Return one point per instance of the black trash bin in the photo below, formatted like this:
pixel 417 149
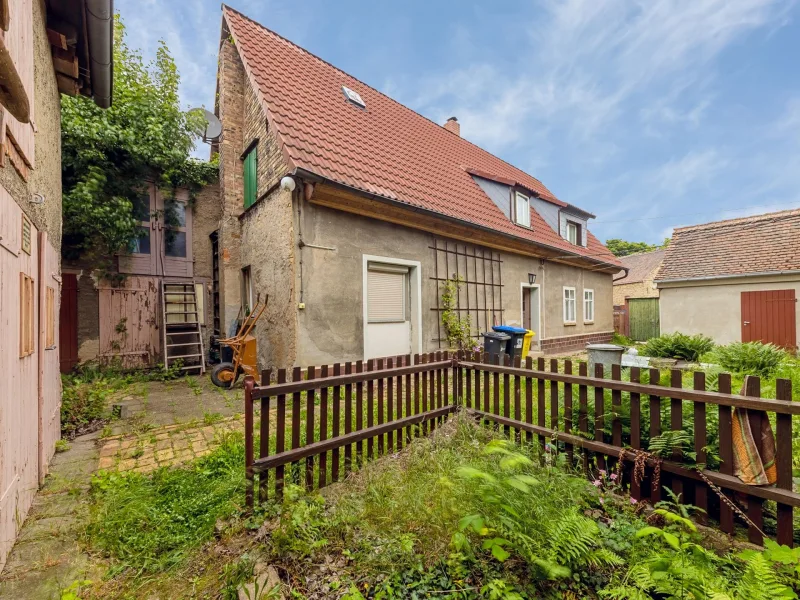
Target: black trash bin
pixel 516 339
pixel 494 343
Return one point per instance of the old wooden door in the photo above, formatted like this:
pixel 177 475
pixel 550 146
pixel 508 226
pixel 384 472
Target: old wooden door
pixel 68 323
pixel 643 318
pixel 129 322
pixel 769 316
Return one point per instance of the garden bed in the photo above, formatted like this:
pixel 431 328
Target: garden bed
pixel 460 514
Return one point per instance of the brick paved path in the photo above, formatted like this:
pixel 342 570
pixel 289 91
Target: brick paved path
pixel 164 446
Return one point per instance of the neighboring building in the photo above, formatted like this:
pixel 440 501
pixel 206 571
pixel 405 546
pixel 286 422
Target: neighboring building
pixel 636 296
pixel 639 280
pixel 49 48
pixel 122 321
pixel 386 206
pixel 735 280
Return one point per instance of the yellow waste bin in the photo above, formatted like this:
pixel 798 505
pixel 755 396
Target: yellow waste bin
pixel 526 343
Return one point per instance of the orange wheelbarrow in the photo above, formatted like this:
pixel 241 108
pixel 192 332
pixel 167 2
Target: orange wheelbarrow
pixel 243 344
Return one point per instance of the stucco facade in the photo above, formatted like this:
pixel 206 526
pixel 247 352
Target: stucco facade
pixel 309 259
pixel 713 307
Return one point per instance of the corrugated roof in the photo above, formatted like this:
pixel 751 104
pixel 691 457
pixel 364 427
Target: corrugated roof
pixel 640 266
pixel 750 245
pixel 386 149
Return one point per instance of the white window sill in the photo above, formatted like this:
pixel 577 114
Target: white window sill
pixel 588 322
pixel 570 323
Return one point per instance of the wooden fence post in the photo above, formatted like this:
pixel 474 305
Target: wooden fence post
pixel 249 384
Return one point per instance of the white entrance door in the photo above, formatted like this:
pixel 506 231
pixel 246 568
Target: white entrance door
pixel 388 327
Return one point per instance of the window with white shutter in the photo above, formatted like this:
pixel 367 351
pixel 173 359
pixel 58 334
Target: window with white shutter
pixel 386 293
pixel 522 210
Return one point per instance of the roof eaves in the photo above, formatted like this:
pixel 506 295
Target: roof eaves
pixel 318 178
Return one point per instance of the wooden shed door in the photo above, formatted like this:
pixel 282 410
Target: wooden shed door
pixel 643 318
pixel 68 323
pixel 129 322
pixel 770 316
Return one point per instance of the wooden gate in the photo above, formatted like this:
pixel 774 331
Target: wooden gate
pixel 68 323
pixel 129 323
pixel 769 316
pixel 643 319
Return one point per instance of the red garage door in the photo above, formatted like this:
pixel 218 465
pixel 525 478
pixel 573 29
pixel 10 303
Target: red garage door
pixel 769 316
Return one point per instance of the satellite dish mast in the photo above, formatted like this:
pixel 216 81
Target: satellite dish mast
pixel 213 127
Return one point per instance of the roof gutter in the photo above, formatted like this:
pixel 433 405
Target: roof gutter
pixel 300 172
pixel 100 30
pixel 737 276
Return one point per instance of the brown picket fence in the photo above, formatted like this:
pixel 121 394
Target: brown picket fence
pixel 351 412
pixel 359 411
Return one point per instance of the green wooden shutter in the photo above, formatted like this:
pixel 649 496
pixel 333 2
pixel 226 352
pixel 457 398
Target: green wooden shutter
pixel 250 182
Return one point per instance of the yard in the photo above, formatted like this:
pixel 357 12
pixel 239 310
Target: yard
pixel 153 503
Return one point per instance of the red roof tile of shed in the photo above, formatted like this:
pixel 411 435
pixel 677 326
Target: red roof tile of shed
pixel 747 246
pixel 388 149
pixel 640 267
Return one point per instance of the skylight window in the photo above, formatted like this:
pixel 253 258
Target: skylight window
pixel 353 96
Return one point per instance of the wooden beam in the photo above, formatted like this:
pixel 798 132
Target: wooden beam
pixel 305 385
pixel 296 454
pixel 67 85
pixel 65 62
pixel 332 196
pixel 785 407
pixel 56 39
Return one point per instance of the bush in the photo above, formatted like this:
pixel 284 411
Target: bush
pixel 678 345
pixel 749 358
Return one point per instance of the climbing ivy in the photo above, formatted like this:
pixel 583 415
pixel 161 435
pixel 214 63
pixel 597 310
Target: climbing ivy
pixel 107 155
pixel 458 329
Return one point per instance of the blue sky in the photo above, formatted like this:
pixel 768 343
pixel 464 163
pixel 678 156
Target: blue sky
pixel 650 114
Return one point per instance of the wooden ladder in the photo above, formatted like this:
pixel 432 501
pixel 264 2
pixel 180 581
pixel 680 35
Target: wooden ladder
pixel 183 339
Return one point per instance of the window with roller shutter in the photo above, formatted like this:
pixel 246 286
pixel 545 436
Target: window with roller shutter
pixel 386 294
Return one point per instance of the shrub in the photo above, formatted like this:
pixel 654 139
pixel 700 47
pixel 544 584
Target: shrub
pixel 678 345
pixel 750 358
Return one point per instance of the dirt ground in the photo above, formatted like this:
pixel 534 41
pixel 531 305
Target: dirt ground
pixel 159 424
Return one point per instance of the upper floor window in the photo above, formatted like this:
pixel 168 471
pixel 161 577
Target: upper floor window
pixel 522 210
pixel 250 179
pixel 574 233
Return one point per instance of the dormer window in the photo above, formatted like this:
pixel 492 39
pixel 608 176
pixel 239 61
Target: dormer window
pixel 574 233
pixel 522 210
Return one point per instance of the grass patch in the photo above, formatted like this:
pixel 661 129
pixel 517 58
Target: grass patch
pixel 152 523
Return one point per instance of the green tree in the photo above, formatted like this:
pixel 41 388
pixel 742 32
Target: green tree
pixel 623 248
pixel 107 155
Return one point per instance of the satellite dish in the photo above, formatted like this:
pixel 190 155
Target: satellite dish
pixel 213 128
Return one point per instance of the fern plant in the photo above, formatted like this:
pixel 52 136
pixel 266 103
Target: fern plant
pixel 553 546
pixel 749 358
pixel 678 345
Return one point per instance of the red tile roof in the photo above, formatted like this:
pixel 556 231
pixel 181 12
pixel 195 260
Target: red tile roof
pixel 386 149
pixel 640 266
pixel 750 245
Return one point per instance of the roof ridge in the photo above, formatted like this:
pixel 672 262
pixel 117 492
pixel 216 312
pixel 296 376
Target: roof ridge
pixel 739 220
pixel 311 54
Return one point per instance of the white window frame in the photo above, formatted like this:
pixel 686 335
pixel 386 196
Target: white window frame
pixel 566 302
pixel 588 305
pixel 572 226
pixel 522 217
